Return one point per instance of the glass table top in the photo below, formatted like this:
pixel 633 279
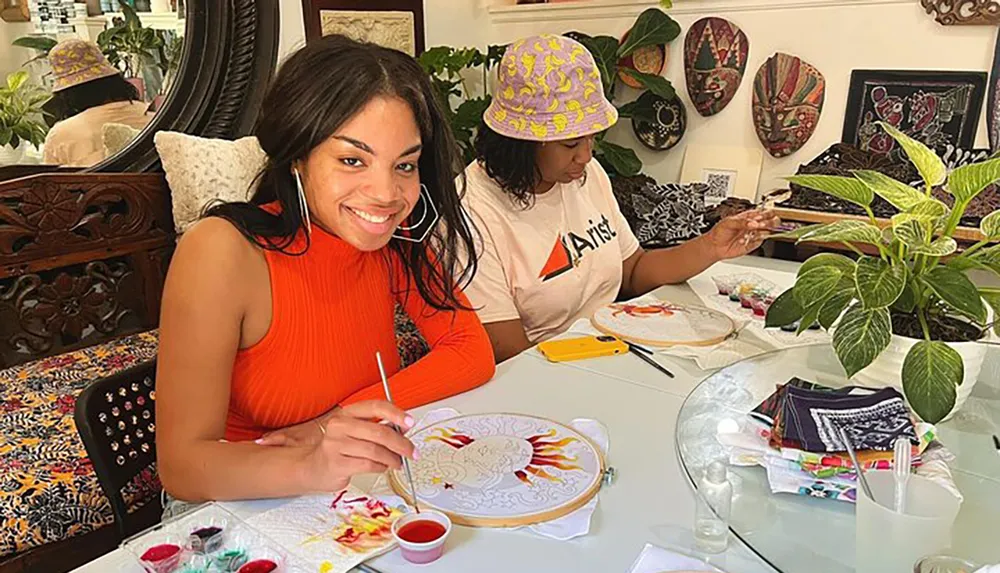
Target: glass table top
pixel 801 534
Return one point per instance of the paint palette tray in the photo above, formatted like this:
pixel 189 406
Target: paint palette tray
pixel 208 539
pixel 752 292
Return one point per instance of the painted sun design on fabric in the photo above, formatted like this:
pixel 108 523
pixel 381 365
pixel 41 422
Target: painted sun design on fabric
pixel 491 457
pixel 642 310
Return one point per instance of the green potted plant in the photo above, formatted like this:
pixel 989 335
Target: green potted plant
pixel 130 47
pixel 652 28
pixel 20 116
pixel 906 315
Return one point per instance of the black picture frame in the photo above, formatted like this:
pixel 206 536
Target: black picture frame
pixel 960 130
pixel 230 53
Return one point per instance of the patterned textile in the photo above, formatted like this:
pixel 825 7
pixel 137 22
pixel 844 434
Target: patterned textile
pixel 548 89
pixel 872 421
pixel 48 489
pixel 75 61
pixel 663 215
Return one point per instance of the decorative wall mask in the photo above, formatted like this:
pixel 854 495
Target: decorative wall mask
pixel 715 58
pixel 646 60
pixel 963 12
pixel 671 123
pixel 936 108
pixel 787 100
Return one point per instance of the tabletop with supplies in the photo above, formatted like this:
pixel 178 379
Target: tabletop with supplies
pixel 647 457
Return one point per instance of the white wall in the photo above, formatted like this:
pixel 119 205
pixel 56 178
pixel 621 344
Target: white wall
pixel 11 57
pixel 292 28
pixel 834 35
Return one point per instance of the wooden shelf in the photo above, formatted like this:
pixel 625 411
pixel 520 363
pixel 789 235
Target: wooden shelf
pixel 962 234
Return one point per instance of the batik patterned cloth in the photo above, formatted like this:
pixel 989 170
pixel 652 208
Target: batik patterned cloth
pixel 664 215
pixel 812 420
pixel 48 488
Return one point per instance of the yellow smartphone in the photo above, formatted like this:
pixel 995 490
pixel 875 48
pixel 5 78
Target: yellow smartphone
pixel 583 347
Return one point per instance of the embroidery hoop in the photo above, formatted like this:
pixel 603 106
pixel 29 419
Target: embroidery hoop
pixel 398 482
pixel 726 326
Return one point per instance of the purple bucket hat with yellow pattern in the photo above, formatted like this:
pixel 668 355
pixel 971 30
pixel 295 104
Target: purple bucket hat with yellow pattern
pixel 75 61
pixel 549 89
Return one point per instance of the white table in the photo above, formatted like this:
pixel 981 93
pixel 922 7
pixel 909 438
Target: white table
pixel 651 502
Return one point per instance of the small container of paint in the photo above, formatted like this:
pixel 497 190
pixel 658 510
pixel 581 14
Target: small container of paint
pixel 421 536
pixel 208 537
pixel 724 284
pixel 161 554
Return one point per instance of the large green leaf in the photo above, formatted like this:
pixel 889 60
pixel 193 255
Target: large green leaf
pixel 834 260
pixel 990 226
pixel 992 298
pixel 659 85
pixel 622 159
pixel 40 43
pixel 861 336
pixel 954 288
pixel 932 371
pixel 879 283
pixel 907 300
pixel 911 232
pixel 604 49
pixel 940 247
pixel 816 285
pixel 846 188
pixel 928 208
pixel 967 181
pixel 834 306
pixel 783 311
pixel 845 231
pixel 641 109
pixel 901 195
pixel 932 170
pixel 809 318
pixel 652 28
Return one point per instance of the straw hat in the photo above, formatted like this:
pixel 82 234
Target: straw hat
pixel 76 61
pixel 549 89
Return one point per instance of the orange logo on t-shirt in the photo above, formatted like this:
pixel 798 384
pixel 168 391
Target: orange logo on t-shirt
pixel 558 262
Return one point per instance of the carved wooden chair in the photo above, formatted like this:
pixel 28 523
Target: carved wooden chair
pixel 116 420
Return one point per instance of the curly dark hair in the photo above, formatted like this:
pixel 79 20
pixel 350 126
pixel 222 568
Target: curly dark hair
pixel 510 162
pixel 80 98
pixel 317 90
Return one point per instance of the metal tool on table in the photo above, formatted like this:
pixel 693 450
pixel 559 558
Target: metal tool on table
pixel 645 355
pixel 406 462
pixel 857 466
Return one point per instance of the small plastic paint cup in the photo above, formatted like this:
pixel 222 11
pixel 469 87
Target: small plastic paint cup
pixel 421 536
pixel 162 558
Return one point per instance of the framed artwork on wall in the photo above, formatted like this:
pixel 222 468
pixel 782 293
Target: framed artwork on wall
pixel 395 24
pixel 728 171
pixel 935 107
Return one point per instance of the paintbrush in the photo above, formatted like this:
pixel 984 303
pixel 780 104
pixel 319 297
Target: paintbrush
pixel 406 462
pixel 860 471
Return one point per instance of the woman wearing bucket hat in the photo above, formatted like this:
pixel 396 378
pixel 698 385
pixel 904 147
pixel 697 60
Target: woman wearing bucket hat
pixel 88 93
pixel 555 244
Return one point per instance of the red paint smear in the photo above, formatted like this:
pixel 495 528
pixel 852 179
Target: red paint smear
pixel 333 504
pixel 522 476
pixel 160 552
pixel 259 566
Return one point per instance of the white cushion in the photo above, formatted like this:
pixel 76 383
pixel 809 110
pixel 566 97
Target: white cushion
pixel 201 170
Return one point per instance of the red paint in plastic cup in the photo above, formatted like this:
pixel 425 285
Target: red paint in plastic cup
pixel 421 536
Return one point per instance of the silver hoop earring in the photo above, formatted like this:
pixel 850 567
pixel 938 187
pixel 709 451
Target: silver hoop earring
pixel 429 207
pixel 303 206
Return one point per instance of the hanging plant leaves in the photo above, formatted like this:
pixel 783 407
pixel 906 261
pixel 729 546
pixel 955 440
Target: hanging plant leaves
pixel 656 84
pixel 652 28
pixel 623 160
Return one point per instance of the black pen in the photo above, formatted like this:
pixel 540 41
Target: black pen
pixel 366 568
pixel 642 349
pixel 996 443
pixel 635 350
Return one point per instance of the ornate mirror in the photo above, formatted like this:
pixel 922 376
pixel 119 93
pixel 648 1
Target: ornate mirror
pixel 85 86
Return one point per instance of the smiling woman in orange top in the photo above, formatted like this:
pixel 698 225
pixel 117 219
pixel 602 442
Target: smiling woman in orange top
pixel 274 309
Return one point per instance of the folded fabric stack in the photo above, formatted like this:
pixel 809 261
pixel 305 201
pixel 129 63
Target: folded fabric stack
pixel 795 435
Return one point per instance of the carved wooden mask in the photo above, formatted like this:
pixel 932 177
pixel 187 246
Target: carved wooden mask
pixel 963 12
pixel 787 100
pixel 715 58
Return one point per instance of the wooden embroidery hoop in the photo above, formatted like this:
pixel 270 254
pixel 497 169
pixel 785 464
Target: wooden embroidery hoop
pixel 402 490
pixel 662 344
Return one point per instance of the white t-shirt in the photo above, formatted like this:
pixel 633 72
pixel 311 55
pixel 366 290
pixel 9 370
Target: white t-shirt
pixel 551 264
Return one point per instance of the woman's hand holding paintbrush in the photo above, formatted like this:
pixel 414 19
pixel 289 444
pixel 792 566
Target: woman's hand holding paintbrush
pixel 740 234
pixel 353 444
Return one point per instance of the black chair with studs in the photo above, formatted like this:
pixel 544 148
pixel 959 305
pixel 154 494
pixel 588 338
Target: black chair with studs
pixel 116 419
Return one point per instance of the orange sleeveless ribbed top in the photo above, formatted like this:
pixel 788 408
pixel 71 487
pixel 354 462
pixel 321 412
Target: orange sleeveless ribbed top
pixel 331 310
